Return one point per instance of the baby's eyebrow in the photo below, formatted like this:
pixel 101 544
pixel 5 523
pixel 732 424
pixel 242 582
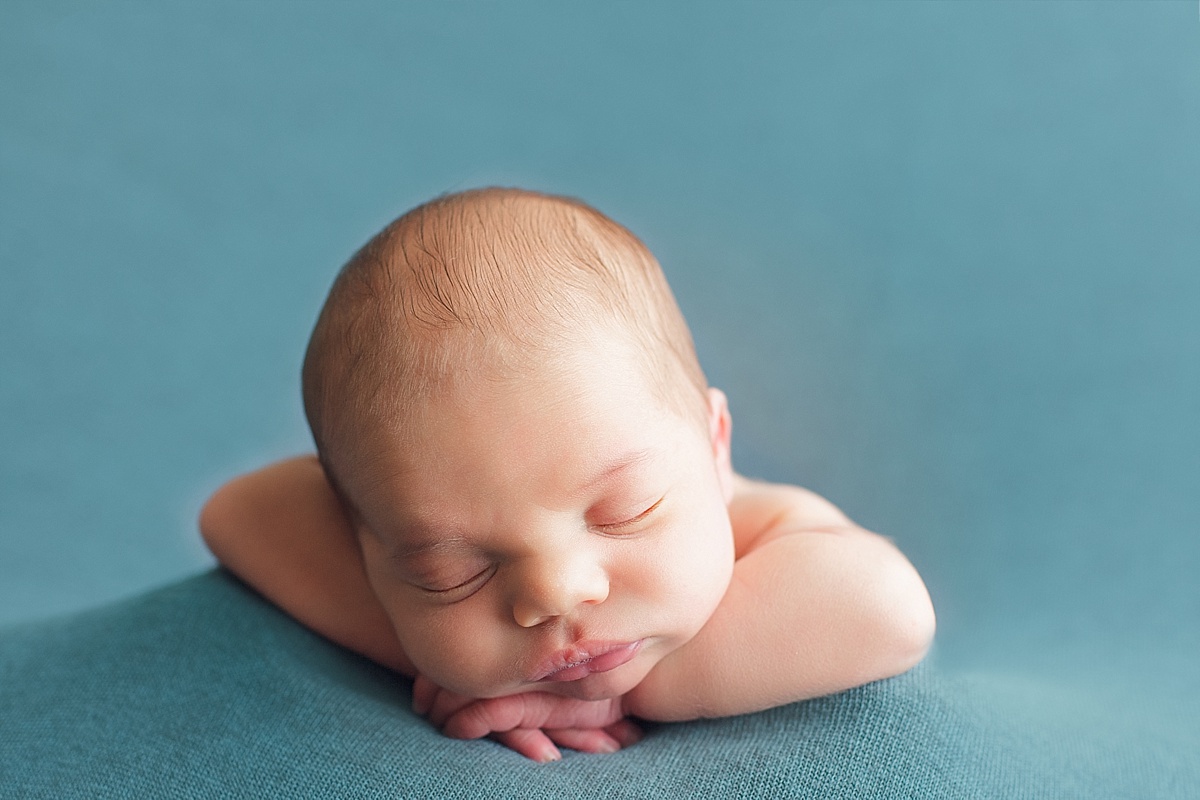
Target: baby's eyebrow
pixel 615 467
pixel 420 539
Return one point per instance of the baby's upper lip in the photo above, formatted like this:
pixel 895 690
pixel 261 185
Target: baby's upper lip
pixel 584 658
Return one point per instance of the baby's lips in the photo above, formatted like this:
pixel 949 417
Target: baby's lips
pixel 585 659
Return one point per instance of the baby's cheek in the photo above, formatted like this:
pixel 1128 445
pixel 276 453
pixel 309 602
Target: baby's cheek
pixel 456 655
pixel 702 565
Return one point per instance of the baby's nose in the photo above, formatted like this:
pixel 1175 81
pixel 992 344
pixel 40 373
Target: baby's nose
pixel 548 588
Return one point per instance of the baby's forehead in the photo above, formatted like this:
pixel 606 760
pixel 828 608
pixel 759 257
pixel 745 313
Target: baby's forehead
pixel 598 375
pixel 546 368
pixel 465 373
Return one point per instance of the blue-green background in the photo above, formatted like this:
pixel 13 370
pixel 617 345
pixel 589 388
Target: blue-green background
pixel 944 258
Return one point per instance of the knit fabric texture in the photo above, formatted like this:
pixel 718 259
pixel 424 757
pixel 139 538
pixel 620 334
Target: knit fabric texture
pixel 203 689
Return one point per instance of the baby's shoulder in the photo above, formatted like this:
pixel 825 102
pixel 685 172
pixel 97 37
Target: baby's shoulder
pixel 760 511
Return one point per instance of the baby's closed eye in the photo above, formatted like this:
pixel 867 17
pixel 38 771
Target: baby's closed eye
pixel 445 573
pixel 457 584
pixel 630 520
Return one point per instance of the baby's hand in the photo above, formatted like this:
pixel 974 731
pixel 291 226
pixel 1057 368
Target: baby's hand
pixel 531 723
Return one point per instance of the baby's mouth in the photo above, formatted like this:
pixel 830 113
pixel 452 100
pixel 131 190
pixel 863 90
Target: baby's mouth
pixel 585 659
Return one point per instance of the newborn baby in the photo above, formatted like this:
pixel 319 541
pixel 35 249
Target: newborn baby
pixel 523 499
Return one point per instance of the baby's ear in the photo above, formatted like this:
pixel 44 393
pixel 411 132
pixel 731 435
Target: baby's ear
pixel 720 428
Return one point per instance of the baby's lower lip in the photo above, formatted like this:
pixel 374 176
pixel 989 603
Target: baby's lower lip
pixel 588 659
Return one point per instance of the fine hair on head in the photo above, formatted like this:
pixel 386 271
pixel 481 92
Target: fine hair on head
pixel 497 277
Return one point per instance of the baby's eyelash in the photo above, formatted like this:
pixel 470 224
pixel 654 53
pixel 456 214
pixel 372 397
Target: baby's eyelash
pixel 616 526
pixel 458 587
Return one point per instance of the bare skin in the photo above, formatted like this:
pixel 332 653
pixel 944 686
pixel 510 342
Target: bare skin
pixel 816 605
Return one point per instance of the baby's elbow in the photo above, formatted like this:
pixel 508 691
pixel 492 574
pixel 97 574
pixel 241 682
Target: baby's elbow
pixel 214 522
pixel 917 631
pixel 909 619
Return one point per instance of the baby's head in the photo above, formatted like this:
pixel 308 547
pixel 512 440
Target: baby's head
pixel 506 397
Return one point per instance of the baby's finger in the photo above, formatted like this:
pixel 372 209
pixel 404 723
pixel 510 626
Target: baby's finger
pixel 586 740
pixel 624 731
pixel 529 742
pixel 482 717
pixel 446 704
pixel 529 710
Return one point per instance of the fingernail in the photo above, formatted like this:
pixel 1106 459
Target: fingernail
pixel 608 747
pixel 549 755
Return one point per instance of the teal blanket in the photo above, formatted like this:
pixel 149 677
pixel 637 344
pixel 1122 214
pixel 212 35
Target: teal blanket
pixel 202 689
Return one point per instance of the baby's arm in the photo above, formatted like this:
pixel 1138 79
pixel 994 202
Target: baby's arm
pixel 283 530
pixel 816 605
